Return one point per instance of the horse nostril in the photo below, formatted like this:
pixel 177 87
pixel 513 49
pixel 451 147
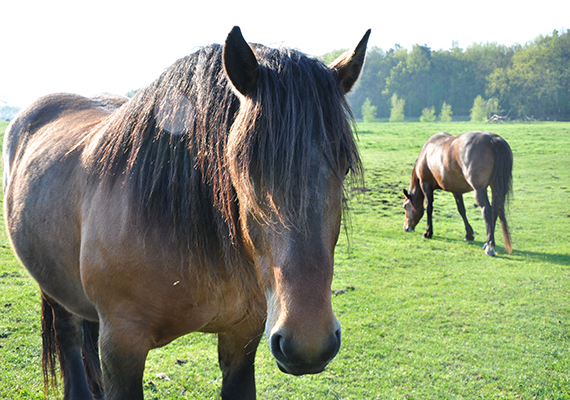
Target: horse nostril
pixel 333 347
pixel 338 335
pixel 297 360
pixel 275 346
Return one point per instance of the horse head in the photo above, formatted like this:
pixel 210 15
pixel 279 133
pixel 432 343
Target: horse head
pixel 287 163
pixel 414 208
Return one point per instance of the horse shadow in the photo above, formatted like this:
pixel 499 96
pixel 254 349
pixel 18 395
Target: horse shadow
pixel 522 254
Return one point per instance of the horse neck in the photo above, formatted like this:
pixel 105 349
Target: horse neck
pixel 415 187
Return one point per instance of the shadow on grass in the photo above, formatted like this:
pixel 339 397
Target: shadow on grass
pixel 517 255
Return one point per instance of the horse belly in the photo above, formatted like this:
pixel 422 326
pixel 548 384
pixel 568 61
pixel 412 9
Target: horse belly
pixel 455 183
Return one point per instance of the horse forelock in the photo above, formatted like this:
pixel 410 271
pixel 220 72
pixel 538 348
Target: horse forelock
pixel 296 111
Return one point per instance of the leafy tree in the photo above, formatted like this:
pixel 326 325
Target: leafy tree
pixel 492 107
pixel 537 82
pixel 368 111
pixel 397 110
pixel 411 77
pixel 7 113
pixel 332 55
pixel 531 80
pixel 446 113
pixel 372 82
pixel 428 114
pixel 478 111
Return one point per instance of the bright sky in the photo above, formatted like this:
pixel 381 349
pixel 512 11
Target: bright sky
pixel 88 47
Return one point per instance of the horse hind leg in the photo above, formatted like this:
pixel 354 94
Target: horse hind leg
pixel 63 333
pixel 499 209
pixel 91 360
pixel 490 219
pixel 461 208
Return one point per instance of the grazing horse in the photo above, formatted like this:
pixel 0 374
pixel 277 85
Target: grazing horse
pixel 211 201
pixel 460 164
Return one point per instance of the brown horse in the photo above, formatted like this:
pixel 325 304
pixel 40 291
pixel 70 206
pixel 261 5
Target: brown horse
pixel 210 202
pixel 459 164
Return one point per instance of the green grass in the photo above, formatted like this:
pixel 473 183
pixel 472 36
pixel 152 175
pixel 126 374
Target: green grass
pixel 427 319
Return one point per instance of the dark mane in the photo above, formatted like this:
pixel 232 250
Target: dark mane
pixel 174 137
pixel 296 109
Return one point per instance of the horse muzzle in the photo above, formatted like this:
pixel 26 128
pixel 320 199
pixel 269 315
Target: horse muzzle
pixel 407 228
pixel 297 358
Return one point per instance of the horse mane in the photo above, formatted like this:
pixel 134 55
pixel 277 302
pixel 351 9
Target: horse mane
pixel 177 142
pixel 296 109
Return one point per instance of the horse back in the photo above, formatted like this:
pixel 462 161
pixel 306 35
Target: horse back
pixel 457 164
pixel 75 110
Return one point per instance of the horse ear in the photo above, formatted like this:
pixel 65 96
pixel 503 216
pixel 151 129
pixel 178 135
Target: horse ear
pixel 240 63
pixel 407 194
pixel 347 67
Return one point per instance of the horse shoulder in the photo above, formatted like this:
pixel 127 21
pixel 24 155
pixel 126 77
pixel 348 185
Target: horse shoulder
pixel 445 163
pixel 169 297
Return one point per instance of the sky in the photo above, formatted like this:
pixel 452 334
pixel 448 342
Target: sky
pixel 89 47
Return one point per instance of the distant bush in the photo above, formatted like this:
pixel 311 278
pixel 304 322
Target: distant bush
pixel 478 112
pixel 483 109
pixel 428 114
pixel 368 111
pixel 397 110
pixel 445 114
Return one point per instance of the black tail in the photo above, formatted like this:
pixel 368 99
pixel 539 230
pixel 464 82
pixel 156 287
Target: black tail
pixel 502 186
pixel 49 347
pixel 50 353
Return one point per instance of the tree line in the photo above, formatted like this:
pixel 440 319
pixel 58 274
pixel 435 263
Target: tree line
pixel 530 81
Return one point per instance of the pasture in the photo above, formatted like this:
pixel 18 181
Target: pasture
pixel 421 319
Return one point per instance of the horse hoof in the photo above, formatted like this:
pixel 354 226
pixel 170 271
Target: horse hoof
pixel 489 251
pixel 469 238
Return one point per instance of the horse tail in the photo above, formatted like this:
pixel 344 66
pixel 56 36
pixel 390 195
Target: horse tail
pixel 91 361
pixel 502 186
pixel 49 347
pixel 50 353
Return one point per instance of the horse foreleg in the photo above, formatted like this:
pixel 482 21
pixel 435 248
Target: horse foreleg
pixel 236 354
pixel 123 354
pixel 461 209
pixel 69 338
pixel 428 192
pixel 489 217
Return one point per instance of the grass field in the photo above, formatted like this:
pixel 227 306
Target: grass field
pixel 422 319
